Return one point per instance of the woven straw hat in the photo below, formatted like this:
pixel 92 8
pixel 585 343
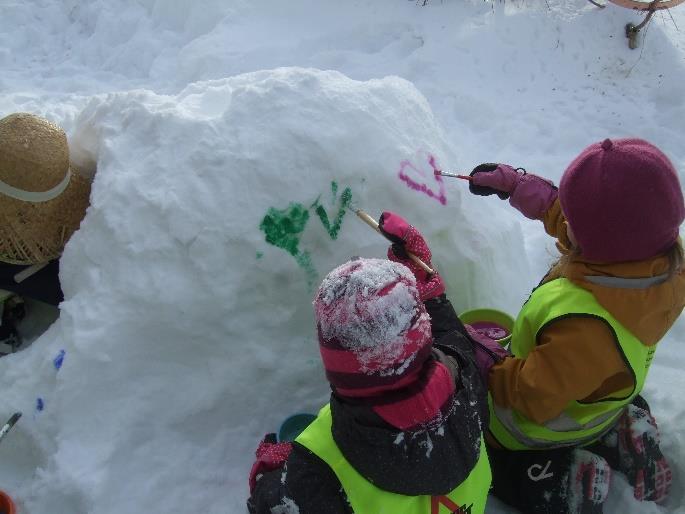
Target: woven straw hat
pixel 42 199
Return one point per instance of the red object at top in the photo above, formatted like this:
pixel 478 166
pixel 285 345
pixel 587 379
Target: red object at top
pixel 646 6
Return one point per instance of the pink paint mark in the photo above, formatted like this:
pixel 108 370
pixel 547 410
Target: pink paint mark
pixel 419 182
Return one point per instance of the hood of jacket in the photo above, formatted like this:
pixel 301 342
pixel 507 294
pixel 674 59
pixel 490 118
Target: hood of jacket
pixel 432 459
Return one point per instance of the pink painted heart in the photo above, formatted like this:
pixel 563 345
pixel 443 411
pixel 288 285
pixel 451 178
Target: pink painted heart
pixel 421 177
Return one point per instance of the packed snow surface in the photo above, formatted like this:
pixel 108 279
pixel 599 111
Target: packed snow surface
pixel 228 141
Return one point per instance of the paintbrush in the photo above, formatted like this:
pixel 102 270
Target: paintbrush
pixel 10 423
pixel 374 224
pixel 445 174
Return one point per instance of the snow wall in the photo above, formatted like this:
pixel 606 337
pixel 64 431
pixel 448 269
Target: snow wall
pixel 187 326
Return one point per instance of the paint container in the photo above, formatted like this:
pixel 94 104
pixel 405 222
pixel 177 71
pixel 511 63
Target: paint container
pixel 496 325
pixel 6 504
pixel 294 426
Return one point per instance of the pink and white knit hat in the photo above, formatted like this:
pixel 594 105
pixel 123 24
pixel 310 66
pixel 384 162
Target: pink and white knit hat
pixel 374 331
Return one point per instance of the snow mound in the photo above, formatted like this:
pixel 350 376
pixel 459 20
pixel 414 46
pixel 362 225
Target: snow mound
pixel 187 326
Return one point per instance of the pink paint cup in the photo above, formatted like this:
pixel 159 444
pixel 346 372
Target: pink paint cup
pixel 491 323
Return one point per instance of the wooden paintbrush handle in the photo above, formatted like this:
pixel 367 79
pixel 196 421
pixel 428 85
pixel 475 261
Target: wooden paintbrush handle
pixel 374 224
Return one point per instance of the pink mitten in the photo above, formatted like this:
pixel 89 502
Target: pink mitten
pixel 270 456
pixel 488 352
pixel 405 239
pixel 530 194
pixel 640 456
pixel 588 482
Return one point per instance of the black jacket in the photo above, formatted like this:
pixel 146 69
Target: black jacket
pixel 431 461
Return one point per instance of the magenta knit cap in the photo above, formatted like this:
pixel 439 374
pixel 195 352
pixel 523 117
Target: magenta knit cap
pixel 623 201
pixel 374 332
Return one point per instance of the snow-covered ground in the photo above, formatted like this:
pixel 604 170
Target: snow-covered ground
pixel 187 327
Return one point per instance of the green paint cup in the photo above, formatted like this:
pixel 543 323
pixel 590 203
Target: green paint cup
pixel 294 425
pixel 491 323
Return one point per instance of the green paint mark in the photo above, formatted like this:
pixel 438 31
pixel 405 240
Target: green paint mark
pixel 345 201
pixel 305 262
pixel 283 228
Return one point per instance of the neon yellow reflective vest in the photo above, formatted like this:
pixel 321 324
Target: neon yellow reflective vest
pixel 468 498
pixel 580 423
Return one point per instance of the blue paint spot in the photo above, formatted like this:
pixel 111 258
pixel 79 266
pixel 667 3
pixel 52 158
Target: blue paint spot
pixel 39 404
pixel 57 361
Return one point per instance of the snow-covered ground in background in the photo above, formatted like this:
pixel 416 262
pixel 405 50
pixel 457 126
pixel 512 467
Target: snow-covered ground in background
pixel 212 125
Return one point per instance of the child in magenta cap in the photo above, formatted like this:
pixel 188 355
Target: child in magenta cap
pixel 565 404
pixel 402 433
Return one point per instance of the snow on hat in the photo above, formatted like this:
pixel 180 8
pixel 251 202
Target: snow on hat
pixel 623 201
pixel 42 199
pixel 374 331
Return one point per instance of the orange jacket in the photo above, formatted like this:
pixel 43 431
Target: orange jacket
pixel 577 358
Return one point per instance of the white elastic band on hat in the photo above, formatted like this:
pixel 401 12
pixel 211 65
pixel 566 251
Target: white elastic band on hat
pixel 31 270
pixel 36 197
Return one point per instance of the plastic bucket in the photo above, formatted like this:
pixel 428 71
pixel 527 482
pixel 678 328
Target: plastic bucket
pixel 485 320
pixel 294 426
pixel 6 504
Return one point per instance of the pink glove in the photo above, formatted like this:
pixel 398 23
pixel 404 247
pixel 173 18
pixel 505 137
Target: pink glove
pixel 588 480
pixel 270 456
pixel 488 352
pixel 405 239
pixel 530 194
pixel 640 457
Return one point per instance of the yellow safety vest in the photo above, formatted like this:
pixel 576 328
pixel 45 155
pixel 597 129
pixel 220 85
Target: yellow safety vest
pixel 468 498
pixel 580 423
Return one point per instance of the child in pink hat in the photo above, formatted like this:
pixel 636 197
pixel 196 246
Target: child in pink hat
pixel 565 405
pixel 402 432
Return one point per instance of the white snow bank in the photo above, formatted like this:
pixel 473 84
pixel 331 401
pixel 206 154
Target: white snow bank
pixel 522 81
pixel 188 335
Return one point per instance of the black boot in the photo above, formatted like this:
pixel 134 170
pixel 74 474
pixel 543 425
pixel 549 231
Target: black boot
pixel 12 312
pixel 562 481
pixel 9 339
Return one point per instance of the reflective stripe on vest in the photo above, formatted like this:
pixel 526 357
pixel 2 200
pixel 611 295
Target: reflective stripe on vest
pixel 580 423
pixel 469 497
